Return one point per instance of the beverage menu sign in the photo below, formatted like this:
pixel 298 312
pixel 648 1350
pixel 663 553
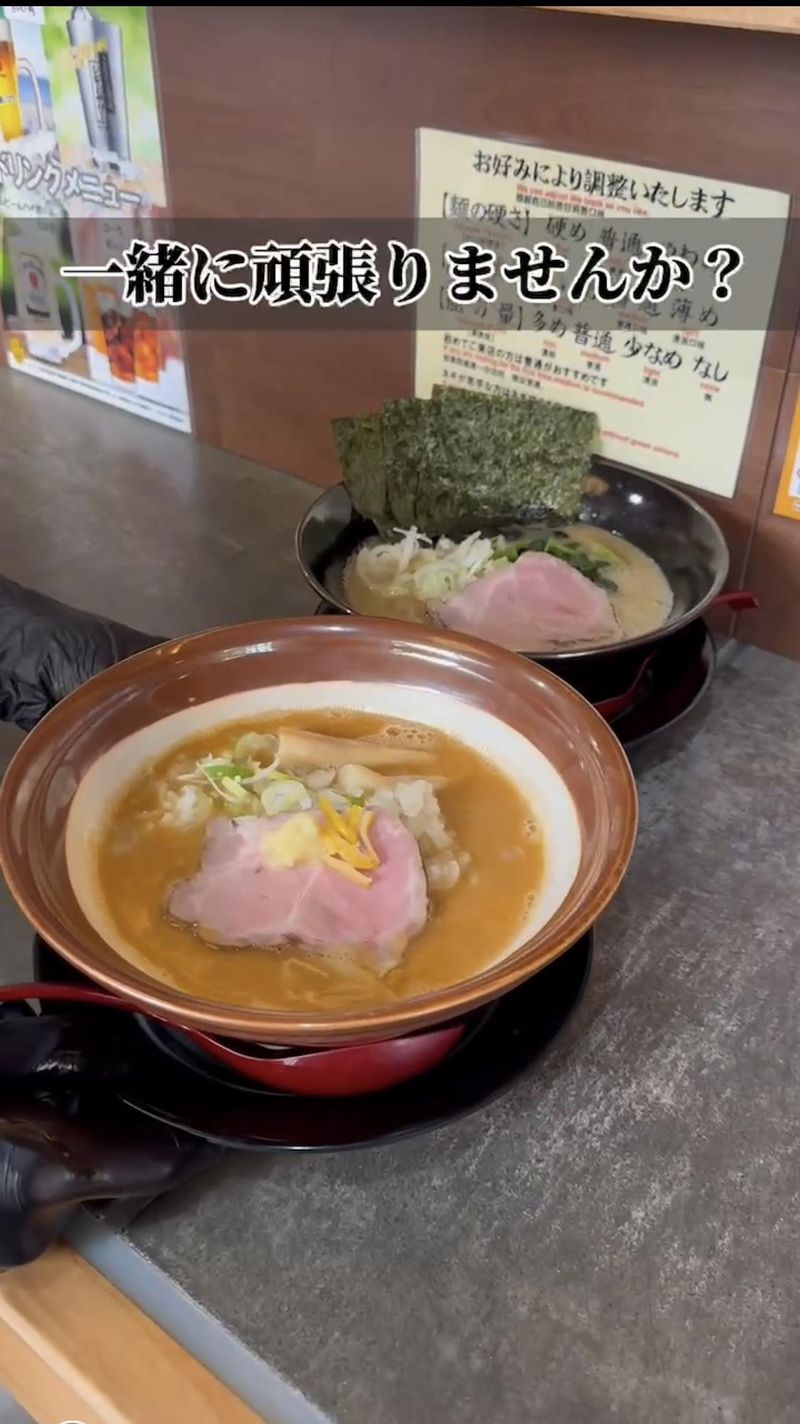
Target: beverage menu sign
pixel 672 383
pixel 81 173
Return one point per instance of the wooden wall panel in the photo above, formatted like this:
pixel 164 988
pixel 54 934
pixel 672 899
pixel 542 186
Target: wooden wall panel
pixel 773 565
pixel 310 112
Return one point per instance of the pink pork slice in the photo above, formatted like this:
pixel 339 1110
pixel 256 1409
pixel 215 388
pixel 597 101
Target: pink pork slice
pixel 237 899
pixel 534 603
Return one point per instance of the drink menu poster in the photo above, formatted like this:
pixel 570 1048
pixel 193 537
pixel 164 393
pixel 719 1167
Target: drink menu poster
pixel 81 174
pixel 672 383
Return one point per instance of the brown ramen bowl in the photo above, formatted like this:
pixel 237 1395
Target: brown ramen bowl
pixel 507 706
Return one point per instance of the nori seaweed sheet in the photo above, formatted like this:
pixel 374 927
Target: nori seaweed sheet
pixel 567 427
pixel 464 459
pixel 359 445
pixel 541 451
pixel 405 458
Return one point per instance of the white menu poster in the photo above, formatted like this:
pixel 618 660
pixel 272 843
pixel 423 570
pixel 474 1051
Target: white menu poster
pixel 672 384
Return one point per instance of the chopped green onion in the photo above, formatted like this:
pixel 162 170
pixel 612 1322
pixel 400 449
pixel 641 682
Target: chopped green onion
pixel 579 557
pixel 604 554
pixel 220 770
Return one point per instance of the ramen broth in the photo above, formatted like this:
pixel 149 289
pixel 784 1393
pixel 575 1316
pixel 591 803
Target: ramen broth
pixel 641 599
pixel 140 859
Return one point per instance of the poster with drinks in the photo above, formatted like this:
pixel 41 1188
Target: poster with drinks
pixel 82 175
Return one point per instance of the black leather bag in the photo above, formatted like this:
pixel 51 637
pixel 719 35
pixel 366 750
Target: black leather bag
pixel 47 649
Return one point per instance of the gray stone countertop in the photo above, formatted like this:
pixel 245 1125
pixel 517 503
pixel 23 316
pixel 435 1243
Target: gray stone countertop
pixel 617 1238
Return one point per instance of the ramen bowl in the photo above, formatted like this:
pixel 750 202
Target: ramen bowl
pixel 70 771
pixel 664 523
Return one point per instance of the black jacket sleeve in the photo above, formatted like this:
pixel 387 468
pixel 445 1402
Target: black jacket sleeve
pixel 47 649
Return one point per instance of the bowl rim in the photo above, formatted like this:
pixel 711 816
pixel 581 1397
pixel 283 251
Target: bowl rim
pixel 672 625
pixel 277 1026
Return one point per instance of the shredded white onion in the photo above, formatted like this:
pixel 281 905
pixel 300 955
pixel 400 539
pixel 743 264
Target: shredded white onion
pixel 414 567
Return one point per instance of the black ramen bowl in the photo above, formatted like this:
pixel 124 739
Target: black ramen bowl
pixel 673 529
